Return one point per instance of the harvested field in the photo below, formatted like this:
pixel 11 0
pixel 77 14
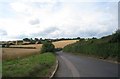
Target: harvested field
pixel 24 50
pixel 38 46
pixel 58 44
pixel 11 53
pixel 61 44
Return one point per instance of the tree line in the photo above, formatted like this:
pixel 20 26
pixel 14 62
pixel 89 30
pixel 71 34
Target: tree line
pixel 41 40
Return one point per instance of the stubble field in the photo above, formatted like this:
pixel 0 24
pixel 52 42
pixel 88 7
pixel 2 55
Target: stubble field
pixel 61 44
pixel 11 53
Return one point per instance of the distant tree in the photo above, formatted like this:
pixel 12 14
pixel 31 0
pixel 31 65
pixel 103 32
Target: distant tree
pixel 26 39
pixel 31 39
pixel 47 47
pixel 116 37
pixel 78 38
pixel 94 38
pixel 40 39
pixel 36 39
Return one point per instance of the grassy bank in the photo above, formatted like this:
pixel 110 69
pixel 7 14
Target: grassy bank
pixel 33 66
pixel 105 48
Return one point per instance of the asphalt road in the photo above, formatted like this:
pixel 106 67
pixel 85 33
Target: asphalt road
pixel 80 66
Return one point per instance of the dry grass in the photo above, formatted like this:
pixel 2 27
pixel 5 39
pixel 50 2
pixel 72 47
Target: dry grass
pixel 61 44
pixel 11 53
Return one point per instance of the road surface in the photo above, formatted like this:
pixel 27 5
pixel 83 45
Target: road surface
pixel 81 66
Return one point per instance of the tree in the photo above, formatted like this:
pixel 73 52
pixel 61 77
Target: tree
pixel 26 39
pixel 41 39
pixel 78 38
pixel 31 39
pixel 36 39
pixel 47 47
pixel 116 37
pixel 94 38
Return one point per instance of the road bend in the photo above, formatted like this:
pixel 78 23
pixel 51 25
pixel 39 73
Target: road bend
pixel 82 66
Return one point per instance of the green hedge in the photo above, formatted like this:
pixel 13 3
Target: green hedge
pixel 103 50
pixel 105 47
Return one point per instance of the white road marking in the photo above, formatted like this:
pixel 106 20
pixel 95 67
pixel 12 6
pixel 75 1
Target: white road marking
pixel 74 71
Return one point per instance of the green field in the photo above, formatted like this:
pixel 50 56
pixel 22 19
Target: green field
pixel 105 48
pixel 33 66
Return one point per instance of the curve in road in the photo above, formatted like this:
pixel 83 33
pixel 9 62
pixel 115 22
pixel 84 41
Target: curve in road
pixel 80 66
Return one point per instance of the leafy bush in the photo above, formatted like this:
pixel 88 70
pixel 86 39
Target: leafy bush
pixel 116 37
pixel 47 47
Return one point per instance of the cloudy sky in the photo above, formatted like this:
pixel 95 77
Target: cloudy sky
pixel 57 18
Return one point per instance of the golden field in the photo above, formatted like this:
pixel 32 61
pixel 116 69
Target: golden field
pixel 58 44
pixel 11 53
pixel 61 44
pixel 38 46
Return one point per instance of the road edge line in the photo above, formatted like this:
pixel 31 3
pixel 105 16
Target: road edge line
pixel 56 67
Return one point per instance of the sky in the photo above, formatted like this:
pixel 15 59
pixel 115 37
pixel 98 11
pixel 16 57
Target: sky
pixel 57 18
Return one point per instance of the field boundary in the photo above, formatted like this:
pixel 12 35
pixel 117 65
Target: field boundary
pixel 56 67
pixel 23 47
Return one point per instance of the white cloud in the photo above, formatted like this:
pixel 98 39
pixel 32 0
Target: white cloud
pixel 52 1
pixel 34 21
pixel 19 7
pixel 72 19
pixel 3 32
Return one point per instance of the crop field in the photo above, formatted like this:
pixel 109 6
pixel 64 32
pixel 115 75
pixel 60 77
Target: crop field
pixel 11 53
pixel 38 46
pixel 61 44
pixel 58 44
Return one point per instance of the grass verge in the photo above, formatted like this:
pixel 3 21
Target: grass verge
pixel 33 66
